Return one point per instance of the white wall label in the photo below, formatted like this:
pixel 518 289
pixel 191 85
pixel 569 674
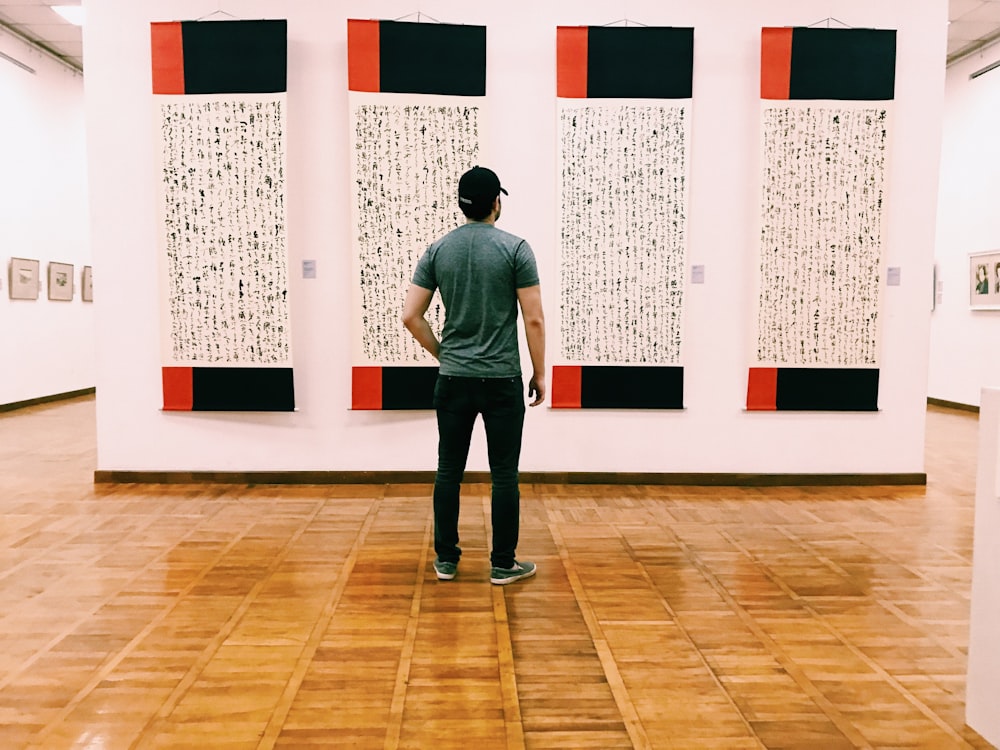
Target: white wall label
pixel 892 276
pixel 697 274
pixel 308 269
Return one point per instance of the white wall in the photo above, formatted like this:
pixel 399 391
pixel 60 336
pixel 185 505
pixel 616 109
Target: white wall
pixel 984 647
pixel 964 355
pixel 713 434
pixel 47 347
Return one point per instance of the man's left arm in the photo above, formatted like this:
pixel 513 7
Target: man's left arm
pixel 418 299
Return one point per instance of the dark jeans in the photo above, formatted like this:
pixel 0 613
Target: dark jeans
pixel 458 401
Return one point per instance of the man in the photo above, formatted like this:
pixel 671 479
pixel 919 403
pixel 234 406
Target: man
pixel 982 279
pixel 484 274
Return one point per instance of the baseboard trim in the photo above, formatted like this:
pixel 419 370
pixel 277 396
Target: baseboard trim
pixel 952 404
pixel 47 399
pixel 427 477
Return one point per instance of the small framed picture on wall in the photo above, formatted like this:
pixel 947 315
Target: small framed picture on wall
pixel 24 281
pixel 87 284
pixel 984 280
pixel 61 281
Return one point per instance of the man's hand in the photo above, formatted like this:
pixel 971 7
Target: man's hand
pixel 536 389
pixel 530 300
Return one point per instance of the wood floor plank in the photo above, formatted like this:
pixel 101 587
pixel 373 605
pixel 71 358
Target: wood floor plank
pixel 601 718
pixel 226 616
pixel 393 732
pixel 513 719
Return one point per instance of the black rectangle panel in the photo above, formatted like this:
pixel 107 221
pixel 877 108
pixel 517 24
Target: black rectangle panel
pixel 849 64
pixel 408 387
pixel 243 389
pixel 235 57
pixel 827 389
pixel 613 387
pixel 432 58
pixel 645 62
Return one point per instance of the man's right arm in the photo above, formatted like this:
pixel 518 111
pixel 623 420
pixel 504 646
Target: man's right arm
pixel 530 300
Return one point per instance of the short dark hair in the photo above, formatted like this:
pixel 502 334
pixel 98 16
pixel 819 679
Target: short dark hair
pixel 476 211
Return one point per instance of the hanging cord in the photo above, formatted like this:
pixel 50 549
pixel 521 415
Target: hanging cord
pixel 625 21
pixel 827 22
pixel 418 14
pixel 219 12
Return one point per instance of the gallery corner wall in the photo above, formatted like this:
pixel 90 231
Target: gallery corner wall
pixel 964 355
pixel 48 345
pixel 713 433
pixel 983 671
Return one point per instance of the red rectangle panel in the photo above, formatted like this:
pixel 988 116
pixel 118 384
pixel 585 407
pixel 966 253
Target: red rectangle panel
pixel 762 389
pixel 567 386
pixel 571 62
pixel 363 52
pixel 366 388
pixel 167 52
pixel 178 388
pixel 775 63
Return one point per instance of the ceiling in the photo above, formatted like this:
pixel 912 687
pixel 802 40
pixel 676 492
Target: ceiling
pixel 36 22
pixel 973 24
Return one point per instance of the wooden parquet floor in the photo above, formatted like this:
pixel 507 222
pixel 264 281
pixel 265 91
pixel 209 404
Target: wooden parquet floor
pixel 212 616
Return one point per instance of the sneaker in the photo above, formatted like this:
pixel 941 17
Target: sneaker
pixel 445 570
pixel 502 576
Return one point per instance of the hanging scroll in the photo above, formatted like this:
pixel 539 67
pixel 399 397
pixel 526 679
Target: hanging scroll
pixel 825 121
pixel 624 109
pixel 219 92
pixel 416 94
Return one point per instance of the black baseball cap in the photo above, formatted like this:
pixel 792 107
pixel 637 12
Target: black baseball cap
pixel 479 186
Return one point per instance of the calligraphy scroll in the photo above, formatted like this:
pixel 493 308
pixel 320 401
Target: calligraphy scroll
pixel 825 123
pixel 219 91
pixel 624 108
pixel 416 94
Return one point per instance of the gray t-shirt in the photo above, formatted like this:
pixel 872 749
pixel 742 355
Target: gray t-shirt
pixel 478 269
